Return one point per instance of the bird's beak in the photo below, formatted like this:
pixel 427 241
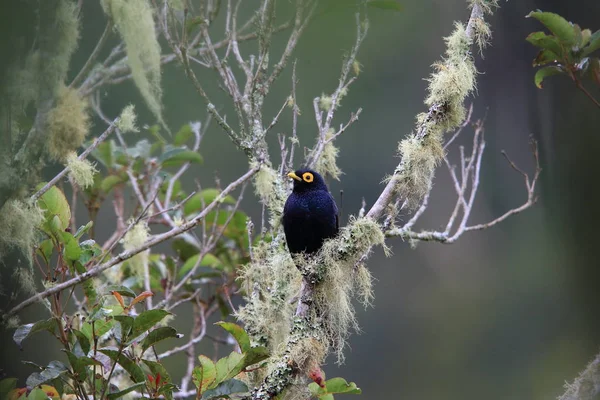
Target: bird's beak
pixel 294 176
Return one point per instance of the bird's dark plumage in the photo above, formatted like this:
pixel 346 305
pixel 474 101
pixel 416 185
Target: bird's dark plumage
pixel 310 214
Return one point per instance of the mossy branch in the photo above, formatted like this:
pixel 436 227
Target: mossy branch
pixel 453 81
pixel 587 385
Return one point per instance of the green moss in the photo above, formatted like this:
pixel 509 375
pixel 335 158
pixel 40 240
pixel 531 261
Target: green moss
pixel 81 171
pixel 134 21
pixel 127 120
pixel 326 164
pixel 18 227
pixel 68 123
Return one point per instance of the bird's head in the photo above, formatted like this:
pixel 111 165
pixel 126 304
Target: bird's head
pixel 307 180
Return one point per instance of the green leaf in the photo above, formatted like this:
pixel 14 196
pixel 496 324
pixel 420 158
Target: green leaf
pixel 255 355
pixel 545 72
pixel 230 366
pixel 204 375
pixel 238 333
pixel 157 369
pixel 225 389
pixel 140 150
pixel 80 364
pixel 339 385
pixel 559 26
pixel 179 155
pixel 385 4
pixel 52 371
pixel 71 251
pixel 593 45
pixel 122 393
pixel 208 260
pixel 54 204
pixel 83 229
pixel 6 385
pixel 110 182
pixel 125 327
pixel 46 249
pixel 183 135
pixel 122 290
pixel 84 342
pixel 135 371
pixel 101 327
pixel 105 153
pixel 543 41
pixel 157 335
pixel 89 250
pixel 24 331
pixel 37 394
pixel 185 246
pixel 200 200
pixel 544 57
pixel 146 320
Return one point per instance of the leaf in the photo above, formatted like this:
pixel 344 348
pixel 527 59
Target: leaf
pixel 37 394
pixel 204 375
pixel 543 41
pixel 559 26
pixel 179 155
pixel 208 260
pixel 126 324
pixel 6 385
pixel 140 150
pixel 544 57
pixel 122 393
pixel 225 389
pixel 230 366
pixel 146 320
pixel 385 5
pixel 158 334
pixel 122 290
pixel 83 229
pixel 46 249
pixel 110 182
pixel 54 203
pixel 183 135
pixel 158 370
pixel 185 246
pixel 80 364
pixel 238 333
pixel 200 200
pixel 594 44
pixel 105 153
pixel 24 331
pixel 101 327
pixel 339 385
pixel 255 355
pixel 83 341
pixel 134 370
pixel 71 251
pixel 141 297
pixel 545 72
pixel 52 371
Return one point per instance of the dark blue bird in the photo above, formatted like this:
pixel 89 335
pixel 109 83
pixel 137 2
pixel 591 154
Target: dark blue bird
pixel 310 214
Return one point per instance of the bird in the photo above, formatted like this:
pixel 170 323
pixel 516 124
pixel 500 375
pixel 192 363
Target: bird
pixel 310 214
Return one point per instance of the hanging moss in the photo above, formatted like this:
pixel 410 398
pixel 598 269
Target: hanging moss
pixel 135 23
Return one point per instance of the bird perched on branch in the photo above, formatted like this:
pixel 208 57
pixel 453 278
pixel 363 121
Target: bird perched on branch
pixel 310 214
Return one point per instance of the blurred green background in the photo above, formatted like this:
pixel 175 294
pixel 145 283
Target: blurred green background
pixel 506 313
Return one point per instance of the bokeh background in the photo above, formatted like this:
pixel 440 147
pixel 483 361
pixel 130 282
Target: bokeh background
pixel 511 312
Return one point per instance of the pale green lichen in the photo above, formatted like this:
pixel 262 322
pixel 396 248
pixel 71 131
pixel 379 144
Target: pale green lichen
pixel 18 226
pixel 334 295
pixel 135 22
pixel 325 102
pixel 133 239
pixel 68 123
pixel 587 385
pixel 264 183
pixel 270 282
pixel 81 171
pixel 24 277
pixel 452 81
pixel 326 164
pixel 127 120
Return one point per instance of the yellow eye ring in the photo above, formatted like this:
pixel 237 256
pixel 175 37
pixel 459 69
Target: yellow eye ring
pixel 308 177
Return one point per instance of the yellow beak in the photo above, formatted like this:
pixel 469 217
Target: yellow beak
pixel 294 176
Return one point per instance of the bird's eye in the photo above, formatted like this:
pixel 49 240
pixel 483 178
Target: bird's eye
pixel 308 177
